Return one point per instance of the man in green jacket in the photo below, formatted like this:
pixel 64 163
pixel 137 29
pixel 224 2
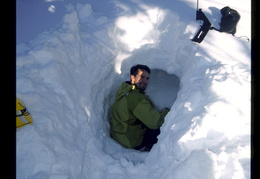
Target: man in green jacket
pixel 134 121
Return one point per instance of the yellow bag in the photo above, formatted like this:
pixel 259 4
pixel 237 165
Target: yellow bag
pixel 23 117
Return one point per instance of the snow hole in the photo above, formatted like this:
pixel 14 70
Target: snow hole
pixel 162 90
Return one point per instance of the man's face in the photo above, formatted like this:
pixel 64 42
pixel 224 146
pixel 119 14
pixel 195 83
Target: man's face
pixel 141 79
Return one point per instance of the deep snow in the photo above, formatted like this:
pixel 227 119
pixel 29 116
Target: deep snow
pixel 69 67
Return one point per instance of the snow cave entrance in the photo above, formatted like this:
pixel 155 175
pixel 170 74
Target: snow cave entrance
pixel 162 90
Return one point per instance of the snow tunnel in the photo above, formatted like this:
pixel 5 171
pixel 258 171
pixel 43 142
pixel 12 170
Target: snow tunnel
pixel 162 89
pixel 75 99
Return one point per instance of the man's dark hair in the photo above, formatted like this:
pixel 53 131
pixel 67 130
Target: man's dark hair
pixel 135 68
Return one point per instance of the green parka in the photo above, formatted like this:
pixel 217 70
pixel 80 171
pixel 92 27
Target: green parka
pixel 131 114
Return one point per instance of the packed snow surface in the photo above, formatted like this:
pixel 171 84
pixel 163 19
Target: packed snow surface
pixel 73 55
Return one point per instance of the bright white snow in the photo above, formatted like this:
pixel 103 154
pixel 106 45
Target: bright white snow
pixel 68 74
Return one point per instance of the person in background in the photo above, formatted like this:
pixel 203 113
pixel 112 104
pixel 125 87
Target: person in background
pixel 134 121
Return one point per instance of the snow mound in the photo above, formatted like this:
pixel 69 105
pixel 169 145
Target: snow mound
pixel 68 76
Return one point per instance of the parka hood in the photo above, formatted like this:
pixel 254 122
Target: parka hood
pixel 124 89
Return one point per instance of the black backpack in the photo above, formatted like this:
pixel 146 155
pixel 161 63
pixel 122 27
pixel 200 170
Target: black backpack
pixel 229 20
pixel 228 23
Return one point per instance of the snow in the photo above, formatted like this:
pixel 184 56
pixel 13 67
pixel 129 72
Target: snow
pixel 73 55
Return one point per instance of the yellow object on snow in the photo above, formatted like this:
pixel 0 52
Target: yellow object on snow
pixel 23 117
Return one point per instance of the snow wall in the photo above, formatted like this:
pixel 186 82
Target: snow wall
pixel 68 77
